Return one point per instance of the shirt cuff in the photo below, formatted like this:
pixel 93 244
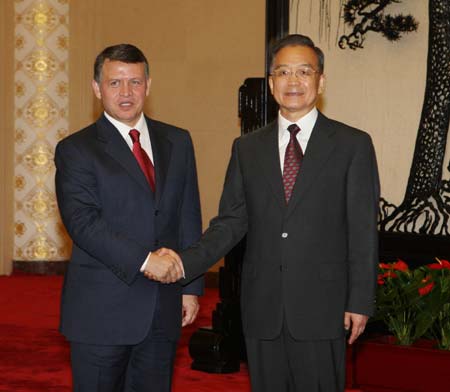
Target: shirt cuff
pixel 145 262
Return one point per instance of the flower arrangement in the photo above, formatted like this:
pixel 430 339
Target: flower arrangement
pixel 437 301
pixel 415 303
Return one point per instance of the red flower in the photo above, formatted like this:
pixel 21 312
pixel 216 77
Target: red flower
pixel 426 289
pixel 442 264
pixel 400 265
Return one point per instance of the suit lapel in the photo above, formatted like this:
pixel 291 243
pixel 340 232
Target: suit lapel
pixel 118 150
pixel 161 147
pixel 320 146
pixel 269 160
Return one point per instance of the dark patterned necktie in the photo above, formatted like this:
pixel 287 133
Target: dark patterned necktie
pixel 144 161
pixel 292 162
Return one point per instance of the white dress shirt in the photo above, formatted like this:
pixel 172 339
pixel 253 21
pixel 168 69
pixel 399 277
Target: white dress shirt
pixel 141 126
pixel 306 125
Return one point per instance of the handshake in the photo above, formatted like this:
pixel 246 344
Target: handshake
pixel 165 266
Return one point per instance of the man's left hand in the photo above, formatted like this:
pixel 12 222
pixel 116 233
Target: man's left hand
pixel 190 309
pixel 357 323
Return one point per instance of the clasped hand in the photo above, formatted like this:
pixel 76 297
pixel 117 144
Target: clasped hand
pixel 165 266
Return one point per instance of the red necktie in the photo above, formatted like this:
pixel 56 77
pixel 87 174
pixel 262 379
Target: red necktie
pixel 144 161
pixel 292 162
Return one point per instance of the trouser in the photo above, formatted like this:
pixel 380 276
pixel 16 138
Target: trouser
pixel 284 364
pixel 144 367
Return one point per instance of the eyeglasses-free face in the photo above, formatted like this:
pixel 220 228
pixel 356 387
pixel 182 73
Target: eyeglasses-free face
pixel 295 82
pixel 122 89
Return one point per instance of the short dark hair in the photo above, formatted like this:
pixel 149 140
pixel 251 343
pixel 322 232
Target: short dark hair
pixel 126 53
pixel 296 40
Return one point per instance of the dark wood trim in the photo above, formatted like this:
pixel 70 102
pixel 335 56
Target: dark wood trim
pixel 40 267
pixel 277 23
pixel 277 26
pixel 415 249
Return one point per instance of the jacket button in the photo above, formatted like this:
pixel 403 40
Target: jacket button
pixel 284 235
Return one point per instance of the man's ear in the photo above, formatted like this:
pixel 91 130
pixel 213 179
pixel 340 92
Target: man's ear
pixel 149 83
pixel 271 84
pixel 322 82
pixel 96 89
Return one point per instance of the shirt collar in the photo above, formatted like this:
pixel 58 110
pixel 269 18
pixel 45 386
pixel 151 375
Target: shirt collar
pixel 306 124
pixel 124 128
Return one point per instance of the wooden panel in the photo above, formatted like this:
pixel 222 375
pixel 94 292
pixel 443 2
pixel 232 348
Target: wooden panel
pixel 6 135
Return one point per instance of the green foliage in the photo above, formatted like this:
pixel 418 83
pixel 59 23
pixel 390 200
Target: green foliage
pixel 415 303
pixel 438 301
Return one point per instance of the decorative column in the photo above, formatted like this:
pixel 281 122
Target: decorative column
pixel 41 120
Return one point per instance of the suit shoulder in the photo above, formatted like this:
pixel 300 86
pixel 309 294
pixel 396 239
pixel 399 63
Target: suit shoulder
pixel 345 130
pixel 77 147
pixel 250 136
pixel 80 135
pixel 261 131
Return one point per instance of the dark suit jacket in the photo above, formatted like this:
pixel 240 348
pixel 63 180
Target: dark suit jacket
pixel 114 220
pixel 308 261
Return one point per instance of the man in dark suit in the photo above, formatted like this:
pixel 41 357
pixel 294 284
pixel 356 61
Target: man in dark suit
pixel 126 185
pixel 305 191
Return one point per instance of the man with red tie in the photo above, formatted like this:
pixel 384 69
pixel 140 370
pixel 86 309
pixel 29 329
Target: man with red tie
pixel 126 185
pixel 304 190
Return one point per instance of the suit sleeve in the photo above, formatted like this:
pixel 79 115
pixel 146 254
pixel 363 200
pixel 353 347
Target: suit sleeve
pixel 190 216
pixel 81 212
pixel 363 192
pixel 226 229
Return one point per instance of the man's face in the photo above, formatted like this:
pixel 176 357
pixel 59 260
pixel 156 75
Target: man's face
pixel 295 81
pixel 122 90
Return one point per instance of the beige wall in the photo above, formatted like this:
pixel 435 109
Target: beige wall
pixel 199 51
pixel 6 136
pixel 379 88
